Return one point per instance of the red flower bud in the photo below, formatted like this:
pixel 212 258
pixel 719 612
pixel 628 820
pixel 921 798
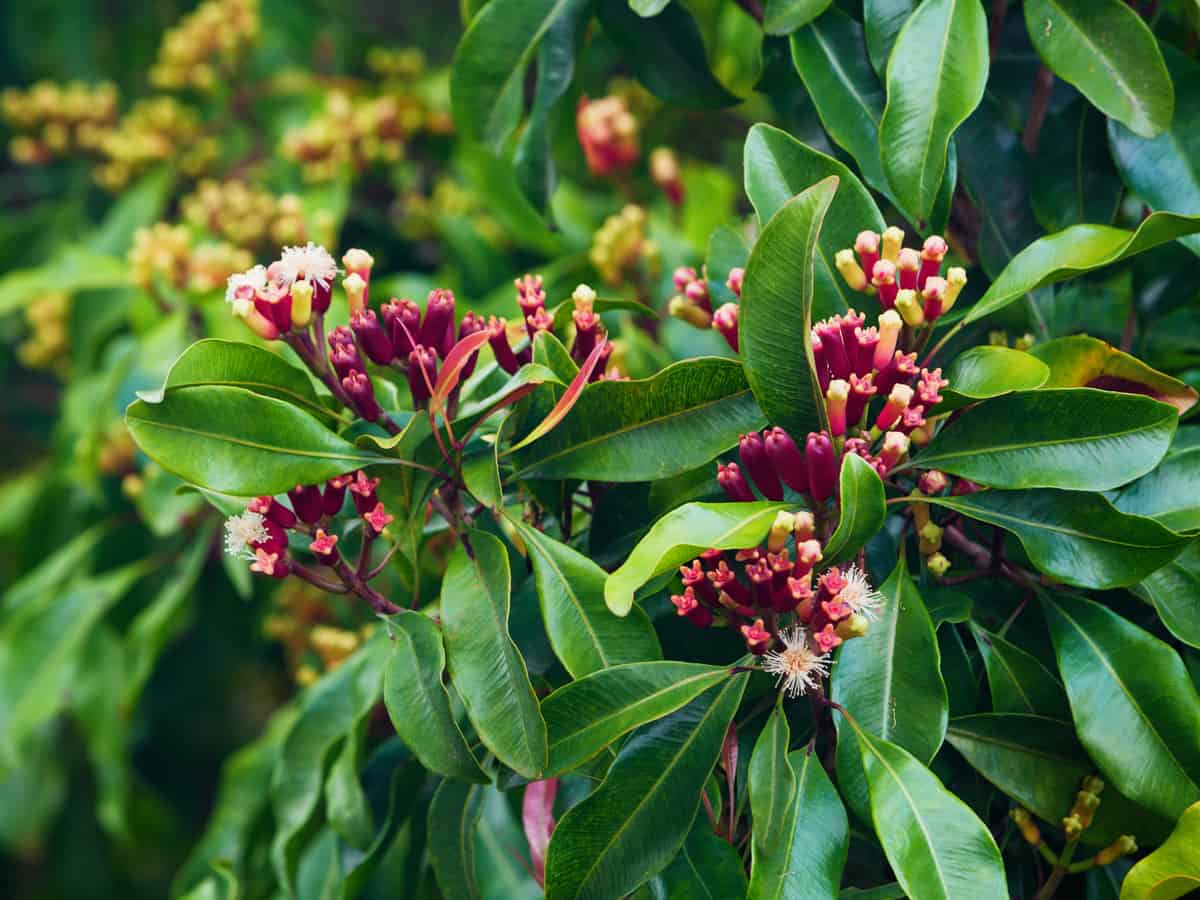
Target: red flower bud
pixel 725 320
pixel 830 332
pixel 402 319
pixel 757 637
pixel 335 494
pixel 470 324
pixel 374 340
pixel 820 360
pixel 273 510
pixel 540 320
pixel 736 276
pixel 932 255
pixel 786 459
pixel 697 292
pixel 897 401
pixel 498 339
pixel 754 458
pixel 883 276
pixel 907 267
pixel 932 482
pixel 934 296
pixel 362 393
pixel 866 245
pixel 378 519
pixel 362 492
pixel 822 466
pixel 682 277
pixel 530 295
pixel 437 331
pixel 422 375
pixel 861 392
pixel 306 501
pixel 731 480
pixel 324 547
pixel 269 564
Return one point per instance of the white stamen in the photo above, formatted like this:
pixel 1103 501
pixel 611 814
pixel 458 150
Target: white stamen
pixel 859 595
pixel 242 531
pixel 242 287
pixel 312 261
pixel 796 666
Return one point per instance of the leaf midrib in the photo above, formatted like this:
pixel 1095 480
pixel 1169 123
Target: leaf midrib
pixel 545 556
pixel 1033 445
pixel 255 445
pixel 1081 35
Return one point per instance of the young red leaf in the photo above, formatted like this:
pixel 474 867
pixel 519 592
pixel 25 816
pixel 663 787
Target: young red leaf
pixel 568 399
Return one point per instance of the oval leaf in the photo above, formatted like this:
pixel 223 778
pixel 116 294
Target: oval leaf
pixel 1173 869
pixel 1170 494
pixel 984 372
pixel 681 534
pixel 863 509
pixel 585 716
pixel 453 819
pixel 882 21
pixel 935 79
pixel 1175 592
pixel 487 669
pixel 782 17
pixel 1134 707
pixel 1018 682
pixel 636 821
pixel 775 315
pixel 1076 438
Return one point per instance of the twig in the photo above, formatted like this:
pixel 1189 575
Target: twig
pixel 1043 84
pixel 996 26
pixel 1130 329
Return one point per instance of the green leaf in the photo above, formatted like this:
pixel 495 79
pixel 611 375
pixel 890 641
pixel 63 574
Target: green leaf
pixel 70 271
pixel 1175 592
pixel 1073 438
pixel 882 21
pixel 648 429
pixel 1039 762
pixel 1083 361
pixel 488 72
pixel 782 17
pixel 1073 251
pixel 847 95
pixel 680 535
pixel 863 507
pixel 346 810
pixel 666 54
pixel 935 79
pixel 1165 171
pixel 1074 179
pixel 585 635
pixel 636 821
pixel 231 440
pixel 418 702
pixel 1173 869
pixel 56 567
pixel 450 838
pixel 890 680
pixel 801 832
pixel 937 847
pixel 331 709
pixel 1134 707
pixel 236 364
pixel 1169 494
pixel 648 8
pixel 1105 49
pixel 776 312
pixel 1018 682
pixel 984 372
pixel 1079 538
pixel 777 167
pixel 487 669
pixel 585 716
pixel 139 205
pixel 706 867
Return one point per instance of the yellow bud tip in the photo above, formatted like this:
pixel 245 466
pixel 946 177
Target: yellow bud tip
pixel 686 311
pixel 956 278
pixel 853 626
pixel 1093 784
pixel 355 289
pixel 302 294
pixel 890 320
pixel 805 525
pixel 584 297
pixel 938 564
pixel 851 271
pixel 910 308
pixel 893 241
pixel 358 262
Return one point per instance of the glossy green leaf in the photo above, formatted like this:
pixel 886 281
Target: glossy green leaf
pixel 1173 869
pixel 665 52
pixel 1083 361
pixel 776 312
pixel 636 821
pixel 648 8
pixel 1074 178
pixel 1073 251
pixel 987 371
pixel 231 440
pixel 73 269
pixel 450 836
pixel 1175 592
pixel 1105 49
pixel 1076 438
pixel 935 79
pixel 778 167
pixel 488 71
pixel 782 17
pixel 706 867
pixel 652 428
pixel 1039 762
pixel 882 21
pixel 1170 493
pixel 586 636
pixel 1079 538
pixel 1018 682
pixel 418 702
pixel 331 709
pixel 937 847
pixel 236 364
pixel 481 475
pixel 585 716
pixel 566 402
pixel 863 509
pixel 680 535
pixel 346 810
pixel 890 680
pixel 801 832
pixel 487 669
pixel 1165 171
pixel 1134 707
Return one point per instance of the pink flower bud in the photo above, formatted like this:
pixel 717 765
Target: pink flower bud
pixel 830 332
pixel 897 401
pixel 934 295
pixel 540 320
pixel 736 275
pixel 270 564
pixel 895 446
pixel 725 320
pixel 930 385
pixel 402 318
pixel 362 492
pixel 861 392
pixel 754 458
pixel 866 245
pixel 370 334
pixel 835 404
pixel 682 277
pixel 358 386
pixel 324 547
pixel 822 466
pixel 437 331
pixel 826 639
pixel 498 339
pixel 306 501
pixel 912 418
pixel 757 637
pixel 932 254
pixel 335 494
pixel 907 267
pixel 378 518
pixel 932 482
pixel 883 277
pixel 786 459
pixel 731 480
pixel 273 510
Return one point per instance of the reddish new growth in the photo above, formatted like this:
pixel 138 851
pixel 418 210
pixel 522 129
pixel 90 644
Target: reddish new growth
pixel 904 279
pixel 693 304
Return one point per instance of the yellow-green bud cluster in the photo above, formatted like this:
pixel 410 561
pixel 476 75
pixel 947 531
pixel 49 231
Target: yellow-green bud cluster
pixel 401 64
pixel 166 254
pixel 154 130
pixel 48 341
pixel 55 120
pixel 206 43
pixel 620 249
pixel 245 214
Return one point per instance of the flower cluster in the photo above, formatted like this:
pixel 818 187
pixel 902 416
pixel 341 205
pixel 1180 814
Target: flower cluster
pixel 47 343
pixel 692 303
pixel 904 279
pixel 248 215
pixel 664 172
pixel 166 254
pixel 608 133
pixel 621 251
pixel 777 580
pixel 206 43
pixel 55 120
pixel 154 130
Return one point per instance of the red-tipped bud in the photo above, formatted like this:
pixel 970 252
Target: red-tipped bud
pixel 324 547
pixel 601 371
pixel 754 457
pixel 932 482
pixel 378 518
pixel 866 245
pixel 725 320
pixel 895 447
pixel 835 403
pixel 883 277
pixel 358 386
pixel 335 494
pixel 587 329
pixel 498 339
pixel 355 287
pixel 786 459
pixel 734 282
pixel 806 525
pixel 808 554
pixel 530 295
pixel 362 492
pixel 422 375
pixel 306 501
pixel 437 331
pixel 540 320
pixel 820 360
pixel 402 318
pixel 682 277
pixel 358 262
pixel 273 511
pixel 822 466
pixel 375 342
pixel 897 401
pixel 932 254
pixel 861 392
pixel 907 267
pixel 686 602
pixel 902 368
pixel 890 325
pixel 345 359
pixel 697 292
pixel 734 483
